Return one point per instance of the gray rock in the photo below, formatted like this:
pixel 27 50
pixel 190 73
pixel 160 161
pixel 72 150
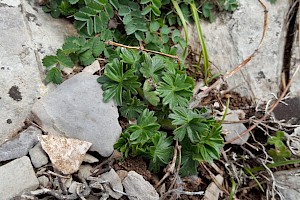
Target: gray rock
pixel 288 183
pixel 38 156
pixel 85 171
pixel 295 59
pixel 90 159
pixel 233 37
pixel 91 69
pixel 73 187
pixel 75 109
pixel 138 188
pixel 235 129
pixel 27 34
pixel 44 181
pixel 17 177
pixel 21 145
pixel 114 181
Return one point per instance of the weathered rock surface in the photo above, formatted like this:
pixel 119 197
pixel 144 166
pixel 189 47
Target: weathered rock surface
pixel 17 177
pixel 76 110
pixel 289 183
pixel 85 171
pixel 233 37
pixel 114 181
pixel 20 145
pixel 38 156
pixel 295 61
pixel 44 181
pixel 138 188
pixel 234 129
pixel 27 34
pixel 66 154
pixel 90 159
pixel 212 191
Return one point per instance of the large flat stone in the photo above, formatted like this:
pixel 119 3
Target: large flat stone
pixel 233 37
pixel 17 177
pixel 76 110
pixel 27 34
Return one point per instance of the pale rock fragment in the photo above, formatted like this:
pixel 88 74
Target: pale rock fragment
pixel 66 154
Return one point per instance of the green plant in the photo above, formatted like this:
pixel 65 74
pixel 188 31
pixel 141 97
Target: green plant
pixel 150 86
pixel 280 152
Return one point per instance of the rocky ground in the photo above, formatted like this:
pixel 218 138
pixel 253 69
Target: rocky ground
pixel 41 125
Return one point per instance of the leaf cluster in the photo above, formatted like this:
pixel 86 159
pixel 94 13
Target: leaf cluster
pixel 153 91
pixel 280 152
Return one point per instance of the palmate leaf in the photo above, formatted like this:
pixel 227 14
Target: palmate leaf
pixel 188 122
pixel 176 90
pixel 161 152
pixel 145 128
pixel 210 144
pixel 131 107
pixel 152 67
pixel 188 165
pixel 114 81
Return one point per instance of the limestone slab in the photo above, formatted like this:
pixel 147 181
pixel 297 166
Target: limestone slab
pixel 27 34
pixel 234 37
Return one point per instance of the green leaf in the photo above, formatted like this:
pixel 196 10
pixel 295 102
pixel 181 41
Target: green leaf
pixel 152 67
pixel 63 59
pixel 165 30
pixel 73 1
pixel 127 19
pixel 131 107
pixel 155 10
pixel 124 10
pixel 189 123
pixel 146 10
pixel 145 128
pixel 176 90
pixel 98 47
pixel 150 95
pixel 161 151
pixel 129 56
pixel 86 58
pixel 115 4
pixel 90 27
pixel 115 81
pixel 80 16
pixel 130 28
pixel 54 75
pixel 176 36
pixel 156 3
pixel 49 61
pixel 144 1
pixel 154 26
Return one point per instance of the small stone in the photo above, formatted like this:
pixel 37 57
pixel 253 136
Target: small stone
pixel 91 69
pixel 66 154
pixel 21 145
pixel 44 181
pixel 122 174
pixel 90 159
pixel 288 183
pixel 17 177
pixel 115 182
pixel 138 188
pixel 85 171
pixel 235 129
pixel 212 191
pixel 73 187
pixel 38 156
